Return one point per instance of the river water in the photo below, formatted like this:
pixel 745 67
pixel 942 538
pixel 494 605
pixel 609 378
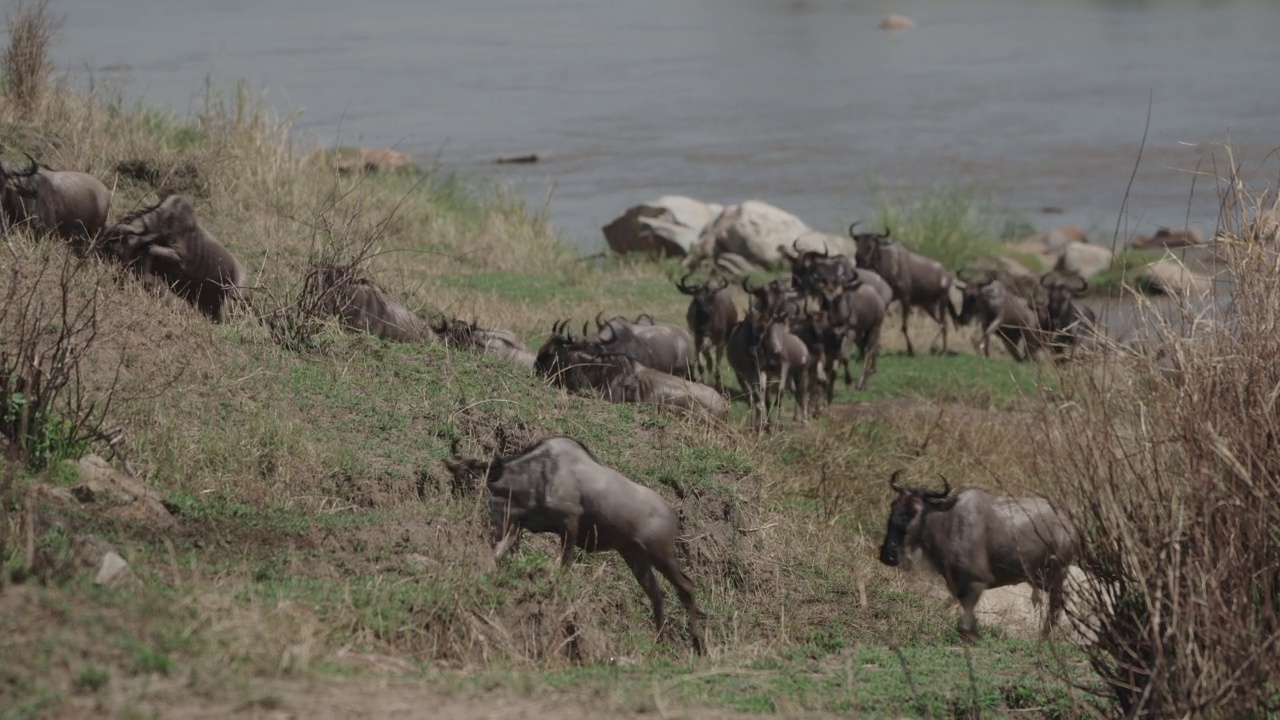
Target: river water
pixel 802 103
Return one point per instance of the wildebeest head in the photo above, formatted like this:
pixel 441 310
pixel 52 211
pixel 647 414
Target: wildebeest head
pixel 773 299
pixel 704 296
pixel 16 186
pixel 905 513
pixel 869 246
pixel 1061 288
pixel 552 359
pixel 455 331
pixel 470 472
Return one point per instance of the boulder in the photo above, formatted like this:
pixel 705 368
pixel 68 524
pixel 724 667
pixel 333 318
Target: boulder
pixel 1166 238
pixel 124 496
pixel 1084 259
pixel 1049 245
pixel 100 558
pixel 752 230
pixel 668 226
pixel 897 22
pixel 1170 277
pixel 372 160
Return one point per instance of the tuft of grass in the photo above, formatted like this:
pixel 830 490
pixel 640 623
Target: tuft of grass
pixel 1123 272
pixel 952 225
pixel 92 679
pixel 25 65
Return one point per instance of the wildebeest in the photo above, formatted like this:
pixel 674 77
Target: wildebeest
pixel 495 341
pixel 621 379
pixel 978 541
pixel 810 267
pixel 166 241
pixel 762 347
pixel 363 306
pixel 997 310
pixel 916 281
pixel 855 310
pixel 711 315
pixel 556 361
pixel 67 203
pixel 558 486
pixel 662 346
pixel 1061 319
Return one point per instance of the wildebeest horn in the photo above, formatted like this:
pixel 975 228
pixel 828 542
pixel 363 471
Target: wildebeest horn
pixel 747 287
pixel 887 233
pixel 853 225
pixel 34 166
pixel 684 288
pixel 1047 277
pixel 893 481
pixel 584 329
pixel 599 321
pixel 1079 285
pixel 934 494
pixel 556 327
pixel 644 315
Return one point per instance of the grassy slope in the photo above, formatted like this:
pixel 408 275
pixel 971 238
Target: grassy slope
pixel 316 524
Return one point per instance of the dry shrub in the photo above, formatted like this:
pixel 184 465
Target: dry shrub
pixel 49 321
pixel 1172 473
pixel 32 29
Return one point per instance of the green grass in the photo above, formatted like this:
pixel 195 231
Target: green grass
pixel 950 224
pixel 997 678
pixel 962 378
pixel 1124 272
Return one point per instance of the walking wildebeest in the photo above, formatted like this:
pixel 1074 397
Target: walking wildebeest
pixel 978 541
pixel 67 203
pixel 1062 320
pixel 711 315
pixel 855 309
pixel 661 346
pixel 916 281
pixel 1000 311
pixel 166 241
pixel 558 486
pixel 495 341
pixel 762 347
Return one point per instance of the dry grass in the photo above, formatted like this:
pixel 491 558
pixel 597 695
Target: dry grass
pixel 1171 471
pixel 26 67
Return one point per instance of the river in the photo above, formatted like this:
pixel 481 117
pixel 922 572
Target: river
pixel 802 103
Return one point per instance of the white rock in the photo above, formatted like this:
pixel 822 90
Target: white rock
pixel 113 567
pixel 753 230
pixel 1084 259
pixel 1171 277
pixel 666 226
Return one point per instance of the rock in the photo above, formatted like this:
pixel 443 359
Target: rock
pixel 100 557
pixel 734 265
pixel 897 22
pixel 1170 277
pixel 1084 259
pixel 752 230
pixel 1165 238
pixel 668 226
pixel 130 499
pixel 372 160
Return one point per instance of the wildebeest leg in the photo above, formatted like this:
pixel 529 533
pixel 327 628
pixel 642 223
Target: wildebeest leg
pixel 906 314
pixel 507 543
pixel 719 356
pixel 670 569
pixel 1012 347
pixel 870 351
pixel 968 601
pixel 570 551
pixel 641 567
pixel 939 316
pixel 762 401
pixel 986 336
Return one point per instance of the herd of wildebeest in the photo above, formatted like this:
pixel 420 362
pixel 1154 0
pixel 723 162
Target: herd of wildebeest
pixel 791 336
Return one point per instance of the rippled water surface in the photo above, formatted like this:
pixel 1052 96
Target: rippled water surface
pixel 804 103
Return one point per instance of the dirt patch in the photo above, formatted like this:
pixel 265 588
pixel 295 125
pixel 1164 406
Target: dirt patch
pixel 382 697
